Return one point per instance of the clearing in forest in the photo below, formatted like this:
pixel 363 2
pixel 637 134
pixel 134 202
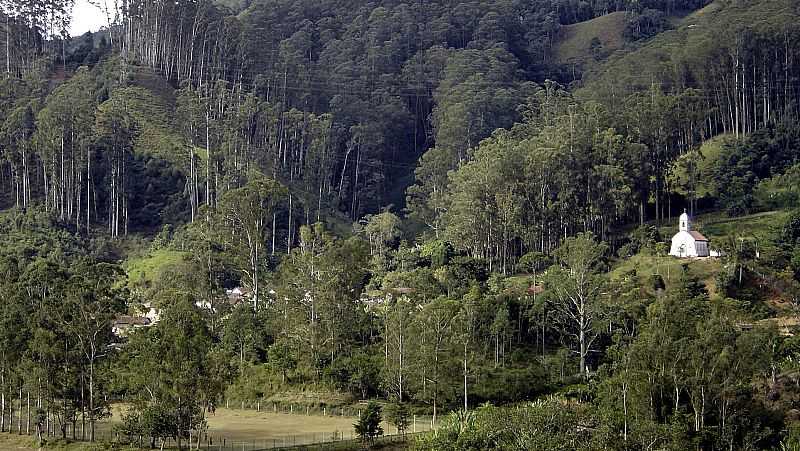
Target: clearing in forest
pixel 575 41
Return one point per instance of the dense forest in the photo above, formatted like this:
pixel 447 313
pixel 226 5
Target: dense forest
pixel 420 202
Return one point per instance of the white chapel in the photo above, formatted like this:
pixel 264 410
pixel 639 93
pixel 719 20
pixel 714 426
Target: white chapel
pixel 688 243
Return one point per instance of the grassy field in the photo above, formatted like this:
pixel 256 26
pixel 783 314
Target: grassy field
pixel 669 268
pixel 252 425
pixel 235 428
pixel 147 268
pixel 757 226
pixel 575 40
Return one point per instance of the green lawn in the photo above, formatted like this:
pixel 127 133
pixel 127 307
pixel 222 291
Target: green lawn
pixel 146 269
pixel 669 268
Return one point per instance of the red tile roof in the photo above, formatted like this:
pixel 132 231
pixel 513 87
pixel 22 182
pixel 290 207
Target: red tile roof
pixel 698 236
pixel 535 289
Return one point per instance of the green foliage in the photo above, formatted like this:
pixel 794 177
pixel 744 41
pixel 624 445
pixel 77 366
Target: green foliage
pixel 743 164
pixel 550 424
pixel 534 262
pixel 368 426
pixel 509 385
pixel 780 192
pixel 359 374
pixel 173 367
pixel 438 252
pixel 398 415
pixel 646 24
pixel 256 174
pixel 283 356
pixel 57 305
pixel 158 423
pixel 574 288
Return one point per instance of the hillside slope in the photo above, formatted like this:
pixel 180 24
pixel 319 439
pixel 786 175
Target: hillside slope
pixel 665 58
pixel 575 42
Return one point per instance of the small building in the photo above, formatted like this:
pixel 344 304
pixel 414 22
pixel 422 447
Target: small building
pixel 151 313
pixel 124 324
pixel 688 243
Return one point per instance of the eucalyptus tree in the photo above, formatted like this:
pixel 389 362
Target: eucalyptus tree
pixel 435 326
pixel 173 367
pixel 92 302
pixel 575 286
pixel 64 146
pixel 115 131
pixel 246 215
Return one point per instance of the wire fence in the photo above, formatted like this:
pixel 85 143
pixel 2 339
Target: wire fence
pixel 299 409
pixel 215 442
pixel 316 442
pixel 105 432
pixel 78 431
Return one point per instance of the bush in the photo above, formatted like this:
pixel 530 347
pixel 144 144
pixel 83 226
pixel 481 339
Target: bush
pixel 369 423
pixel 643 238
pixel 656 283
pixel 399 416
pixel 503 385
pixel 779 192
pixel 552 424
pixel 358 374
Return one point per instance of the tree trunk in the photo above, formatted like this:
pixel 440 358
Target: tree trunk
pixel 465 378
pixel 91 400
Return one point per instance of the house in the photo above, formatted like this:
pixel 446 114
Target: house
pixel 238 295
pixel 688 243
pixel 124 324
pixel 151 313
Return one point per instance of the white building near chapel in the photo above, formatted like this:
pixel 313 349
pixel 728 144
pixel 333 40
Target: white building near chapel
pixel 687 242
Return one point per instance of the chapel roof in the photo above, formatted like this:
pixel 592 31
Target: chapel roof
pixel 697 236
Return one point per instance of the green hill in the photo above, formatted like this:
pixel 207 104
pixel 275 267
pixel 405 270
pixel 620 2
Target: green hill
pixel 587 41
pixel 666 56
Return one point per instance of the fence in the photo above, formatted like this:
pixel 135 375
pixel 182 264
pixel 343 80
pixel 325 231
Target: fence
pixel 302 442
pixel 211 441
pixel 419 423
pixel 302 409
pixel 103 431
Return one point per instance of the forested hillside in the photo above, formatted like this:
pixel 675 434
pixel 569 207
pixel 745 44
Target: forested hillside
pixel 435 204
